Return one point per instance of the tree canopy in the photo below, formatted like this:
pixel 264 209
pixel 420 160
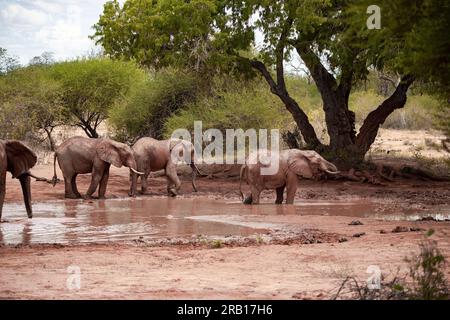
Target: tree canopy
pixel 331 37
pixel 89 87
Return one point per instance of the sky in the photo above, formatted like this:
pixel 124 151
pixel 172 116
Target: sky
pixel 30 27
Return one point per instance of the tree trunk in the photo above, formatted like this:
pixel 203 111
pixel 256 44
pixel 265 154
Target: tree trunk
pixel 376 118
pixel 300 117
pixel 50 139
pixel 340 121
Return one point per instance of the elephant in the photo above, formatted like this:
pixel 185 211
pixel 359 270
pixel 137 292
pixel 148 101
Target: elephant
pixel 79 155
pixel 153 155
pixel 18 159
pixel 293 165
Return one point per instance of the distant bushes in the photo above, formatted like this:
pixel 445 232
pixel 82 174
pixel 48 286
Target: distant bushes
pixel 417 113
pixel 37 98
pixel 137 102
pixel 150 103
pixel 232 104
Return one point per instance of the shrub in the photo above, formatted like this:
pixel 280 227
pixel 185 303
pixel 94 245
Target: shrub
pixel 232 104
pixel 144 111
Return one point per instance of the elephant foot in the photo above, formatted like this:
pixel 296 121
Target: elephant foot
pixel 72 196
pixel 247 200
pixel 101 197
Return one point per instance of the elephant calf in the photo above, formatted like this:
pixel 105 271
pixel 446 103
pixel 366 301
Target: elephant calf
pixel 16 158
pixel 293 164
pixel 79 155
pixel 153 155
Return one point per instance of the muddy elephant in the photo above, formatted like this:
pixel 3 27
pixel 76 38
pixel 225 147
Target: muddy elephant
pixel 153 155
pixel 18 159
pixel 79 155
pixel 293 164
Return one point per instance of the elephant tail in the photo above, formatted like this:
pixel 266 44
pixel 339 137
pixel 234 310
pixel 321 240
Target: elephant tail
pixel 241 175
pixel 55 177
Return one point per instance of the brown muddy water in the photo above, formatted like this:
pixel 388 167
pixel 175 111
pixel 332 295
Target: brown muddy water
pixel 97 221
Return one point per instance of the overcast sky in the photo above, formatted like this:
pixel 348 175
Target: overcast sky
pixel 30 27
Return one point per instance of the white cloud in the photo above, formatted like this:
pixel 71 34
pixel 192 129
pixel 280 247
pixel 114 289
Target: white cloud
pixel 16 14
pixel 30 27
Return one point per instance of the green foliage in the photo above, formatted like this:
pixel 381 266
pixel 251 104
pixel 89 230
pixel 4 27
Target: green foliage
pixel 90 87
pixel 427 274
pixel 7 62
pixel 426 280
pixel 232 104
pixel 156 33
pixel 144 111
pixel 29 102
pixel 416 115
pixel 330 36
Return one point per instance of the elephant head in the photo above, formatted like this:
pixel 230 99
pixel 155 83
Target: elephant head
pixel 118 154
pixel 309 164
pixel 184 151
pixel 17 159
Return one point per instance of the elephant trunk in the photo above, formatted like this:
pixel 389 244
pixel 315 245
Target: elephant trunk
pixel 328 167
pixel 133 177
pixel 194 175
pixel 241 175
pixel 133 183
pixel 25 182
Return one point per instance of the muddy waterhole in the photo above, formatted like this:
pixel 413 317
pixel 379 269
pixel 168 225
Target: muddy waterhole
pixel 98 221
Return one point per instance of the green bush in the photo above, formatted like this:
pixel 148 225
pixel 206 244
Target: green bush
pixel 144 111
pixel 232 104
pixel 416 115
pixel 90 87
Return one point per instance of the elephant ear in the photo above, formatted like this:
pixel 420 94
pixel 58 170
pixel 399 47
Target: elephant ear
pixel 299 164
pixel 20 158
pixel 107 152
pixel 179 150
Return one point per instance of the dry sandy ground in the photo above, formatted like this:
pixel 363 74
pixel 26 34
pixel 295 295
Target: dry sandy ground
pixel 284 271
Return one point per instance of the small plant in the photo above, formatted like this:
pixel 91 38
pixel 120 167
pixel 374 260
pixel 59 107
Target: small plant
pixel 259 239
pixel 425 281
pixel 216 244
pixel 428 279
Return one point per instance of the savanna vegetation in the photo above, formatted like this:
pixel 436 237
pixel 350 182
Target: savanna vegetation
pixel 311 68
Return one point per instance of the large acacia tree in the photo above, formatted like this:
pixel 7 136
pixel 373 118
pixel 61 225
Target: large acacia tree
pixel 330 36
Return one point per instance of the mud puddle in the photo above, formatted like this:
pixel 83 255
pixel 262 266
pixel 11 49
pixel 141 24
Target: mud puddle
pixel 77 221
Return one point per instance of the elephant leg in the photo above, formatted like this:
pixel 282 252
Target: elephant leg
pixel 255 195
pixel 74 186
pixel 248 200
pixel 2 191
pixel 291 187
pixel 69 192
pixel 280 192
pixel 144 183
pixel 174 183
pixel 103 184
pixel 96 177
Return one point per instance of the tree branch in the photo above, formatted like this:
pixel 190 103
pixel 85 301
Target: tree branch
pixel 376 118
pixel 324 80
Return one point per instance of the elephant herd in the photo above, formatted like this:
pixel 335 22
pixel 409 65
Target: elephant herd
pixel 79 155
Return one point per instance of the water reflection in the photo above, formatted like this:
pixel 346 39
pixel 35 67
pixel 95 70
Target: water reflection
pixel 77 221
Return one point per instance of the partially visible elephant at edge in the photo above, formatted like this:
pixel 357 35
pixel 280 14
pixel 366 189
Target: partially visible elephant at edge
pixel 294 164
pixel 153 155
pixel 18 159
pixel 79 155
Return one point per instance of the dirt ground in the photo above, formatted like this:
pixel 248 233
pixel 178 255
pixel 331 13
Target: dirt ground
pixel 257 270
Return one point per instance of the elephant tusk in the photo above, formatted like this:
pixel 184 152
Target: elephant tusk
pixel 332 172
pixel 137 172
